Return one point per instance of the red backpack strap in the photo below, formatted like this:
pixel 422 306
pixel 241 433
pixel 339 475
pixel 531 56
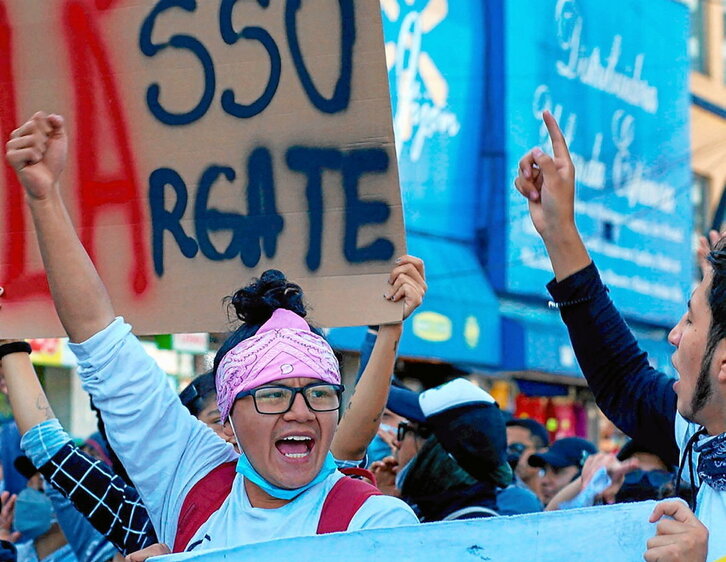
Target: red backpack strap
pixel 343 502
pixel 205 497
pixel 360 473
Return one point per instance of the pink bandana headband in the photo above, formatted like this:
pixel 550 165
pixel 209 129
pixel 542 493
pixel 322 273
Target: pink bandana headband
pixel 282 348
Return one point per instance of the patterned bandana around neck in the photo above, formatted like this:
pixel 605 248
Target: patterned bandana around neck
pixel 712 461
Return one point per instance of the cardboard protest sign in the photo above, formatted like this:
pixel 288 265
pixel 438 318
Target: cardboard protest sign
pixel 606 533
pixel 210 140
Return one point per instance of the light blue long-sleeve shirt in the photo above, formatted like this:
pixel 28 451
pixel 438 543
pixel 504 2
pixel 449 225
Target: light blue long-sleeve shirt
pixel 164 448
pixel 166 451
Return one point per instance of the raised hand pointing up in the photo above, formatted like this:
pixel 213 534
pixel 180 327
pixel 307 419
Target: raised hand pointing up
pixel 548 183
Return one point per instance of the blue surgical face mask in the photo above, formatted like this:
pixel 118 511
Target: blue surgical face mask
pixel 33 513
pixel 379 449
pixel 245 468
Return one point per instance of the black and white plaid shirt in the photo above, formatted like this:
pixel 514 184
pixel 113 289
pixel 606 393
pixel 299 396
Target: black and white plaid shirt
pixel 110 505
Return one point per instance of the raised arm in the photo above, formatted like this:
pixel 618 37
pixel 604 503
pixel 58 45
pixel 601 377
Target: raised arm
pixel 636 397
pixel 164 448
pixel 549 186
pixel 109 505
pixel 120 516
pixel 363 415
pixel 37 150
pixel 27 398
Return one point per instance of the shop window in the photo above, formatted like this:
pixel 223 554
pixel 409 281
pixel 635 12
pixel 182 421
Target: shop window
pixel 698 38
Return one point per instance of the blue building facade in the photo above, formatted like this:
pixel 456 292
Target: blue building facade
pixel 469 82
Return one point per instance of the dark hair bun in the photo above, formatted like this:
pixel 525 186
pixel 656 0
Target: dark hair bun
pixel 255 303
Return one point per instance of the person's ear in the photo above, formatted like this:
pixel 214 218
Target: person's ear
pixel 720 360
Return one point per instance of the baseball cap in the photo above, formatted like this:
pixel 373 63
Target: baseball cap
pixel 569 451
pixel 634 446
pixel 533 426
pixel 466 421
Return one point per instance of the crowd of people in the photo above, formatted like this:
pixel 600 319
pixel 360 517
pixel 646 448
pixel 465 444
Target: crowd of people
pixel 259 448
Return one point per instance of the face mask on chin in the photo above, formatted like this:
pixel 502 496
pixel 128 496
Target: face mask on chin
pixel 245 468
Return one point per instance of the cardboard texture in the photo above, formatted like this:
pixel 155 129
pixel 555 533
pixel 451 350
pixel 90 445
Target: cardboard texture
pixel 209 141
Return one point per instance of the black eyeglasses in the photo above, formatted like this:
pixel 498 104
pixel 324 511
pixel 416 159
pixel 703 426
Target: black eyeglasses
pixel 405 427
pixel 278 399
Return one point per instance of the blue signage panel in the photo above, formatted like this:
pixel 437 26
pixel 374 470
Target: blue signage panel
pixel 458 321
pixel 434 50
pixel 615 75
pixel 535 338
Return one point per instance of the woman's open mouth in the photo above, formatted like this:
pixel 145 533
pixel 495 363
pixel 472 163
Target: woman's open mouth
pixel 295 446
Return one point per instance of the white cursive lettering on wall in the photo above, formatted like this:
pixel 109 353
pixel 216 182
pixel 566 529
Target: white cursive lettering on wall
pixel 629 173
pixel 421 110
pixel 590 69
pixel 590 170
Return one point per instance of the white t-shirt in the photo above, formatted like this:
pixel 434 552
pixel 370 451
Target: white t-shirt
pixel 710 504
pixel 237 522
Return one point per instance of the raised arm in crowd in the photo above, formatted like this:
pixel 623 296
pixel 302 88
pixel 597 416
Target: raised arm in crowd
pixel 641 401
pixel 282 411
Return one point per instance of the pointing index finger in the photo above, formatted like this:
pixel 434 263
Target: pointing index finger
pixel 559 144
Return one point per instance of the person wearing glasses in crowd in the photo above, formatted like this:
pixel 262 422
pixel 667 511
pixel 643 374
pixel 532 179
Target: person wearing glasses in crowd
pixel 278 386
pixel 636 473
pixel 451 459
pixel 526 437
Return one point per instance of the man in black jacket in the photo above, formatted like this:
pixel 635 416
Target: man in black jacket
pixel 641 401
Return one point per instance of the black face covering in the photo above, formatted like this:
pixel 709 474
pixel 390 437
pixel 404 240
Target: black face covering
pixel 641 485
pixel 436 485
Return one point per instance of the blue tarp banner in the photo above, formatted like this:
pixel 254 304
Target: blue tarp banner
pixel 607 533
